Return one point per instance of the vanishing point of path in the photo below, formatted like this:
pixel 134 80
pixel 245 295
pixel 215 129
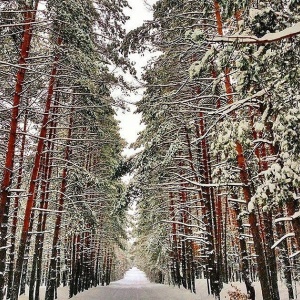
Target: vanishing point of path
pixel 135 286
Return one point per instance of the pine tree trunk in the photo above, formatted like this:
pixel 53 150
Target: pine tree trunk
pixel 291 205
pixel 15 215
pixel 209 217
pixel 53 262
pixel 262 266
pixel 29 18
pixel 174 244
pixel 79 265
pixel 243 247
pixel 37 256
pixel 183 242
pixel 36 272
pixel 73 268
pixel 224 248
pixel 269 292
pixel 196 177
pixel 27 247
pixel 267 225
pixel 33 180
pixel 107 272
pixel 283 247
pixel 103 268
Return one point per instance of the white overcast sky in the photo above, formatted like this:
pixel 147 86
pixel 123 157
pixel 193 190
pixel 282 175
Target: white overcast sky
pixel 130 123
pixel 138 13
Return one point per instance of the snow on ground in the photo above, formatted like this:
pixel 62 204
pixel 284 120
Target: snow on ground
pixel 133 277
pixel 136 286
pixel 200 286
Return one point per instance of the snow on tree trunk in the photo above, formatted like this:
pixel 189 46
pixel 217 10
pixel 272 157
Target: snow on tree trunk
pixel 34 176
pixel 29 18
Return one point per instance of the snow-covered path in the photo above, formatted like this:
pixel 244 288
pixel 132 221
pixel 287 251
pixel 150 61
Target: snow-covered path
pixel 135 286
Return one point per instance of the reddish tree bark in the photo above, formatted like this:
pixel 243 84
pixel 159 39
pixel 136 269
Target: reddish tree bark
pixel 34 176
pixel 283 246
pixel 35 280
pixel 263 273
pixel 29 17
pixel 53 262
pixel 267 224
pixel 269 291
pixel 209 217
pixel 15 214
pixel 174 243
pixel 244 252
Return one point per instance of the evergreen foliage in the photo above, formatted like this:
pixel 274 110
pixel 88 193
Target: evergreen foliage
pixel 220 163
pixel 61 179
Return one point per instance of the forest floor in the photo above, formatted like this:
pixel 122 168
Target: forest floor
pixel 135 286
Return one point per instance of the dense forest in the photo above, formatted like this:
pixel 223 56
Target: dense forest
pixel 62 219
pixel 216 183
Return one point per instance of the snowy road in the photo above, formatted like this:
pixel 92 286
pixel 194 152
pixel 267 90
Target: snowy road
pixel 135 286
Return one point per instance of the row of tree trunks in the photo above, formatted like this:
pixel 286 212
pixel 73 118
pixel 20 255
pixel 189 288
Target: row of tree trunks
pixel 175 263
pixel 36 272
pixel 15 213
pixel 223 87
pixel 90 264
pixel 35 37
pixel 53 273
pixel 34 177
pixel 268 281
pixel 210 218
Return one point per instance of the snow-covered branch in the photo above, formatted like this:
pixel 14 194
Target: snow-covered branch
pixel 282 239
pixel 267 38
